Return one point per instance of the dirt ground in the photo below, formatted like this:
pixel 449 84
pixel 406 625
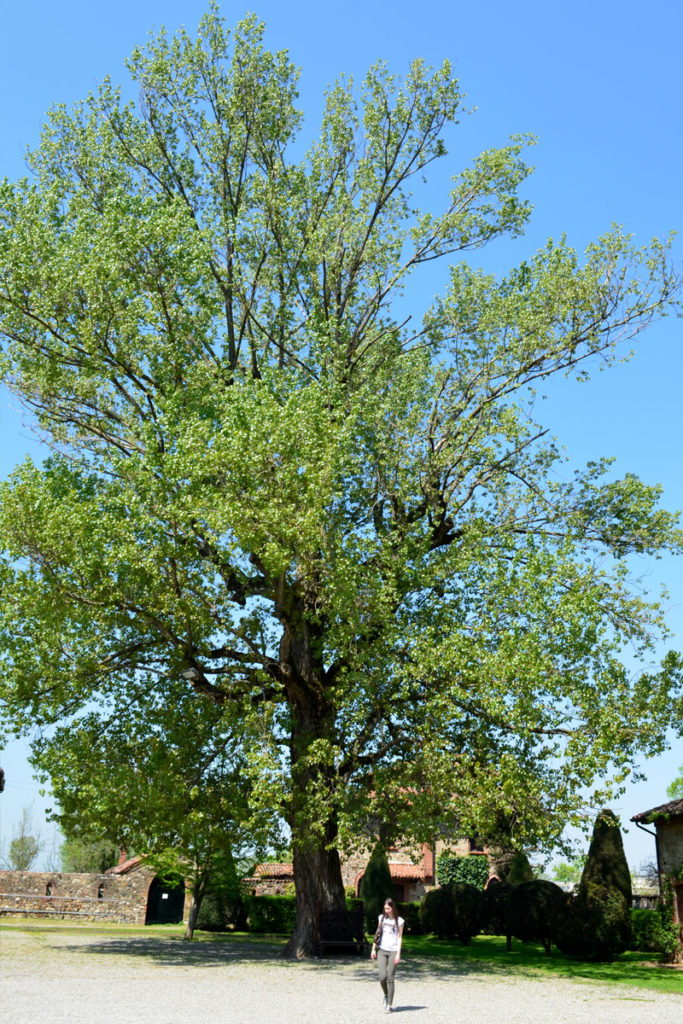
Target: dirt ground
pixel 71 977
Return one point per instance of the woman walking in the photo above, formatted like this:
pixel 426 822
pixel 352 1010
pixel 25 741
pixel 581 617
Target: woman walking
pixel 388 952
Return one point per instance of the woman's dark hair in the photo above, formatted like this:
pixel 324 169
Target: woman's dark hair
pixel 394 909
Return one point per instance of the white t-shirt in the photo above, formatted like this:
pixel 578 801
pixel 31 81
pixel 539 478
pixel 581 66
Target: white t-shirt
pixel 390 933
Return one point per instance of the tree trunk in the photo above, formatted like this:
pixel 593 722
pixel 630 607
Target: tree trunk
pixel 318 882
pixel 198 890
pixel 191 919
pixel 317 869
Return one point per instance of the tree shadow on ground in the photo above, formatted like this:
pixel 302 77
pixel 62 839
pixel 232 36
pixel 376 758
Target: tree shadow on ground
pixel 208 953
pixel 175 952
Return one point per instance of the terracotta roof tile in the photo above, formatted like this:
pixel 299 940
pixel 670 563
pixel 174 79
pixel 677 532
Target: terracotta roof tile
pixel 274 870
pixel 673 809
pixel 407 871
pixel 128 865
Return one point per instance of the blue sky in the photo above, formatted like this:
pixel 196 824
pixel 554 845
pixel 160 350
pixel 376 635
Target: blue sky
pixel 598 83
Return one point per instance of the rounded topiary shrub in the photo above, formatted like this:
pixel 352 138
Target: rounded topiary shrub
pixel 410 912
pixel 496 898
pixel 468 911
pixel 534 912
pixel 436 912
pixel 596 924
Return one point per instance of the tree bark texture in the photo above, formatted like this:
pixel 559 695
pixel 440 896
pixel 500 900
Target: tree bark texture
pixel 193 915
pixel 317 868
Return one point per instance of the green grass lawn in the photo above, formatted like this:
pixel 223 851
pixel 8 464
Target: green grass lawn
pixel 529 959
pixel 485 953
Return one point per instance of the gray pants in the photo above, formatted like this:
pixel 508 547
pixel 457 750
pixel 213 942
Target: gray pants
pixel 387 970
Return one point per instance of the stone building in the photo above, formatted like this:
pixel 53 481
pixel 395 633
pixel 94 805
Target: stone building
pixel 128 893
pixel 413 872
pixel 668 822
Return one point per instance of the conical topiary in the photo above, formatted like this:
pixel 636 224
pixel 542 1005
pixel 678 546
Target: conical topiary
pixel 606 862
pixel 597 922
pixel 375 886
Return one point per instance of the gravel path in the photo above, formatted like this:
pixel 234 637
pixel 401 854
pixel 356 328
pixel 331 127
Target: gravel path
pixel 51 977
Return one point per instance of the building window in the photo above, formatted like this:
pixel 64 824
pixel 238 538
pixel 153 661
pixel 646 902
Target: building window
pixel 48 889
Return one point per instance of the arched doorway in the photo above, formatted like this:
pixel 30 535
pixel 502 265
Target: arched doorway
pixel 165 902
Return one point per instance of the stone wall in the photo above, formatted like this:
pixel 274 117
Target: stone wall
pixel 413 869
pixel 105 897
pixel 269 886
pixel 670 843
pixel 401 860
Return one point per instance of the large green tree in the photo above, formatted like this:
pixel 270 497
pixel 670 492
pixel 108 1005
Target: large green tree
pixel 277 487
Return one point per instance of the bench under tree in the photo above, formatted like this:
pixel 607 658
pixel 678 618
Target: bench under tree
pixel 340 931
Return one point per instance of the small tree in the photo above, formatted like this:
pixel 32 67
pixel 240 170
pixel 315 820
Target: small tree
pixel 25 844
pixel 179 796
pixel 23 851
pixel 569 873
pixel 520 869
pixel 375 886
pixel 649 870
pixel 596 924
pixel 83 854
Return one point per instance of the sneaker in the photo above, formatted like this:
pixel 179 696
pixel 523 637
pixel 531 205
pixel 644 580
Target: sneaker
pixel 385 1004
pixel 388 1009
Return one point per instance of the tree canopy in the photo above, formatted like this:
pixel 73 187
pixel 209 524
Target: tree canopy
pixel 675 790
pixel 171 780
pixel 278 492
pixel 88 855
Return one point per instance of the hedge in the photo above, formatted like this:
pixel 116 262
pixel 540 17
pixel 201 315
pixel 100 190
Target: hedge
pixel 653 932
pixel 470 870
pixel 410 912
pixel 273 914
